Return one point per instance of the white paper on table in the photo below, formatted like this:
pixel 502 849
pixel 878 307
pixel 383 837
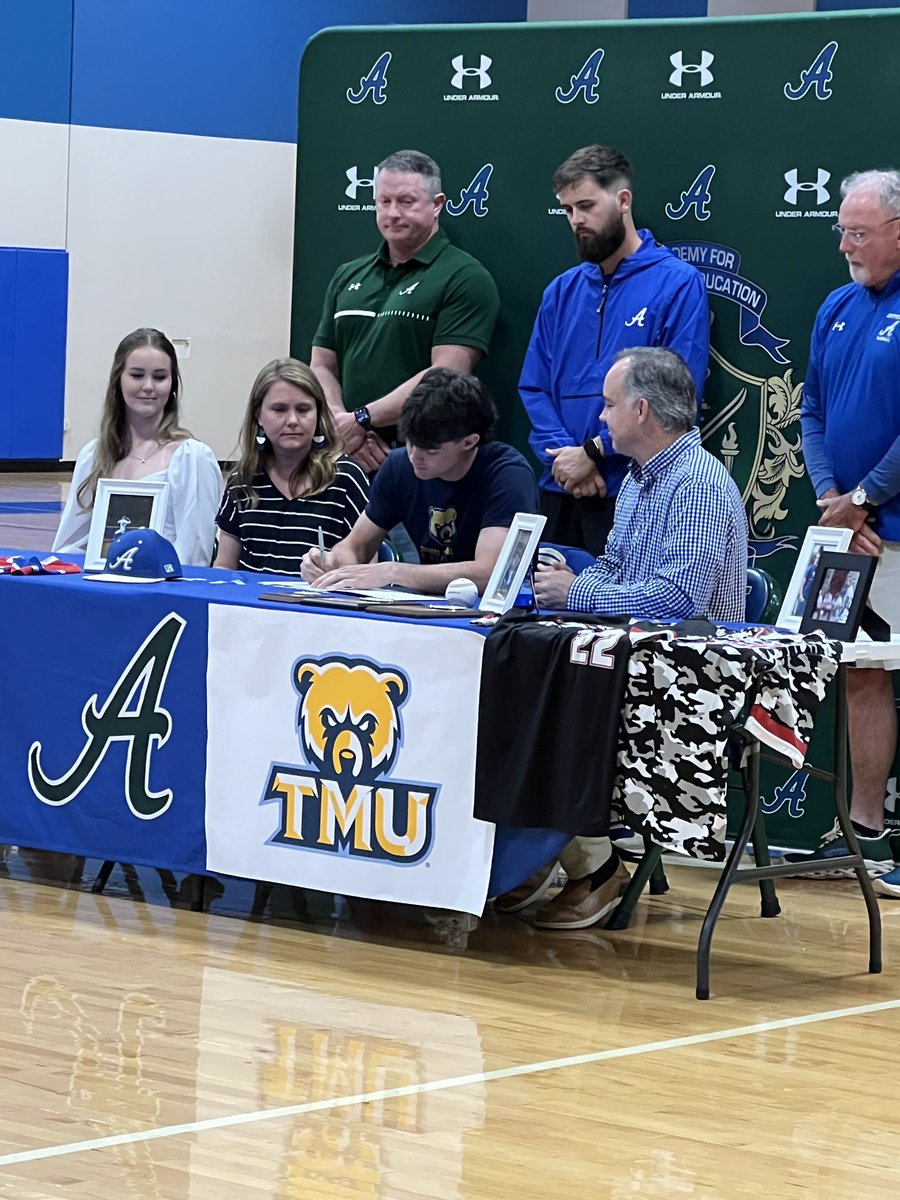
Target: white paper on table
pixel 381 594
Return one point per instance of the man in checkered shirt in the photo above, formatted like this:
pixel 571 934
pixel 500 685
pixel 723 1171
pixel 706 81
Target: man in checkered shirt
pixel 678 549
pixel 679 544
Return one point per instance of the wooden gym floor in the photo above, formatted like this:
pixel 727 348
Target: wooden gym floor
pixel 337 1048
pixel 341 1049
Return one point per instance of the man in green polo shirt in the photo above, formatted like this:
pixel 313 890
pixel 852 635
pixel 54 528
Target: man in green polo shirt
pixel 419 302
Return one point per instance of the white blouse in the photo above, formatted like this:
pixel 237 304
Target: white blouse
pixel 195 489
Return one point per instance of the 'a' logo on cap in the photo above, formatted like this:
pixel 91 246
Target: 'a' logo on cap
pixel 124 561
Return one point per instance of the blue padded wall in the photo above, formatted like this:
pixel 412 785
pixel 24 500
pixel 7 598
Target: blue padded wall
pixel 36 60
pixel 33 299
pixel 228 69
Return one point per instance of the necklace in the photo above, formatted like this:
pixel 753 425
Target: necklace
pixel 149 456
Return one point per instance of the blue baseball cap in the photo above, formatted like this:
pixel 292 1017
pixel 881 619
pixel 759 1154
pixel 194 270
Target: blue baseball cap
pixel 139 556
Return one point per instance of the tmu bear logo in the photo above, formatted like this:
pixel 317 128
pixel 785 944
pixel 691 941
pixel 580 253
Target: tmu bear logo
pixel 345 801
pixel 349 716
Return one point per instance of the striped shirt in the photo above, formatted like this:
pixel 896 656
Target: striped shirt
pixel 679 544
pixel 276 534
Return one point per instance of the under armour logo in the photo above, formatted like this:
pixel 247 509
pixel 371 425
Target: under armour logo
pixel 475 194
pixel 701 68
pixel 355 183
pixel 697 197
pixel 794 186
pixel 461 71
pixel 406 291
pixel 124 561
pixel 587 81
pixel 817 75
pixel 354 287
pixel 637 319
pixel 839 326
pixel 373 84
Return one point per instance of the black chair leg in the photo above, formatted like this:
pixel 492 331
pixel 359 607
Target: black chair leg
pixel 169 884
pixel 725 881
pixel 262 894
pixel 769 905
pixel 659 884
pixel 843 815
pixel 103 876
pixel 620 916
pixel 198 890
pixel 132 882
pixel 865 884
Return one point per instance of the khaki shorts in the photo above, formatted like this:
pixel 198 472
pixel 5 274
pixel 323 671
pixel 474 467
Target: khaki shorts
pixel 885 594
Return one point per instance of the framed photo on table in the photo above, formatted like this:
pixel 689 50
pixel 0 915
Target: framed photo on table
pixel 840 588
pixel 121 504
pixel 515 557
pixel 818 539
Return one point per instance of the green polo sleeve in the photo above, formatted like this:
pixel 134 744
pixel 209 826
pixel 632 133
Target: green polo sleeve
pixel 324 335
pixel 469 310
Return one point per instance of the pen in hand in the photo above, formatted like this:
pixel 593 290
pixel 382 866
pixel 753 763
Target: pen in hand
pixel 323 554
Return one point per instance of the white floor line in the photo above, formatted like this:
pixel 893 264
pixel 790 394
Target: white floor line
pixel 439 1085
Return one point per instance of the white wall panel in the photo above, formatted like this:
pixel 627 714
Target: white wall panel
pixel 193 235
pixel 757 8
pixel 34 157
pixel 577 10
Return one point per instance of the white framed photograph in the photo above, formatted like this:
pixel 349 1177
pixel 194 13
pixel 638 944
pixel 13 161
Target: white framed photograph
pixel 121 504
pixel 509 570
pixel 819 538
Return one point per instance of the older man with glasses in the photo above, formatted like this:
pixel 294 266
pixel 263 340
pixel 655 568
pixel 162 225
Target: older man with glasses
pixel 851 443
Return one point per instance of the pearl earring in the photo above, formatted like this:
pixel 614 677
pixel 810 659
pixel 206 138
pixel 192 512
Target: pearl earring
pixel 260 436
pixel 319 439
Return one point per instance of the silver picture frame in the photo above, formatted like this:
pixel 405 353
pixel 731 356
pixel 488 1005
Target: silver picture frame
pixel 121 504
pixel 516 554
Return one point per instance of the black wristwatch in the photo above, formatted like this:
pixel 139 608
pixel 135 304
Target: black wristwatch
pixel 363 418
pixel 592 450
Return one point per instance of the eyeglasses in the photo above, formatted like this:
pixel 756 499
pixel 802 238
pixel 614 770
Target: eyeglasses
pixel 857 236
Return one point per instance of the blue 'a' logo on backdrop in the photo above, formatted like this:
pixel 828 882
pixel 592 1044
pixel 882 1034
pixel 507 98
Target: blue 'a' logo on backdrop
pixel 817 75
pixel 697 197
pixel 792 794
pixel 475 194
pixel 587 81
pixel 347 801
pixel 374 84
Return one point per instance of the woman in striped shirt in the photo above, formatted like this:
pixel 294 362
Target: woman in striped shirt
pixel 291 489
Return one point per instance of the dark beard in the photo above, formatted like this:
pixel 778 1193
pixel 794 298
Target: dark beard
pixel 598 247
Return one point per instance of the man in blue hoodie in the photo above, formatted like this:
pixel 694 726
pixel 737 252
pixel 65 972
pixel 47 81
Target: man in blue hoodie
pixel 626 292
pixel 851 442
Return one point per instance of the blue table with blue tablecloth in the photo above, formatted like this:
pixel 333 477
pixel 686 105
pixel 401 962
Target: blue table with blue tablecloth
pixel 193 725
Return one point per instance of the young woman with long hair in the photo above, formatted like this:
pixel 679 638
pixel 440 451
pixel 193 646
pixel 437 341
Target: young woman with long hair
pixel 141 437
